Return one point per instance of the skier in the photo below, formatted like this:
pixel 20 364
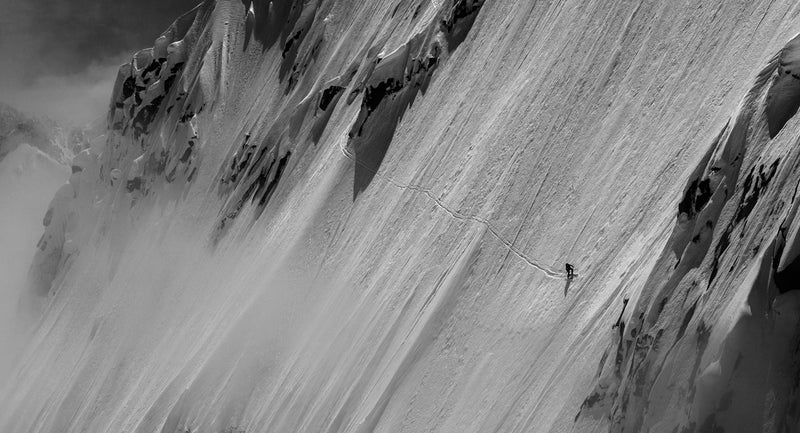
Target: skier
pixel 570 272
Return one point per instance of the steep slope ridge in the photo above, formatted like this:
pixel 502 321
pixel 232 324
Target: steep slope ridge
pixel 323 216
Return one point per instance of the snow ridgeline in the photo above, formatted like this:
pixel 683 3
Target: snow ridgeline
pixel 740 203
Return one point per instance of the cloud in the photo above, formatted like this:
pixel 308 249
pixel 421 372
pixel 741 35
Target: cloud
pixel 59 58
pixel 73 99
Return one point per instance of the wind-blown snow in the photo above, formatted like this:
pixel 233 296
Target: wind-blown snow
pixel 354 216
pixel 28 178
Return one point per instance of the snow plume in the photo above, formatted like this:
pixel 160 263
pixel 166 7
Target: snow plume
pixel 28 179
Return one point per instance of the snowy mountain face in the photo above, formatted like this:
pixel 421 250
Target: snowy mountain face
pixel 338 216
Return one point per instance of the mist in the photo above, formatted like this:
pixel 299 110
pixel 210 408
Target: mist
pixel 59 58
pixel 28 179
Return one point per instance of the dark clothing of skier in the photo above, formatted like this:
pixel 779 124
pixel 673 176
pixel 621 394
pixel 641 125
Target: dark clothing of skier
pixel 570 272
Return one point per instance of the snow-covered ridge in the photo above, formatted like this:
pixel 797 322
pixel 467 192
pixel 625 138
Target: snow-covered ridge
pixel 313 215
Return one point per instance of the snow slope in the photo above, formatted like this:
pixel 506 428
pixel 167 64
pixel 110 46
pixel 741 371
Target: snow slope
pixel 319 215
pixel 28 178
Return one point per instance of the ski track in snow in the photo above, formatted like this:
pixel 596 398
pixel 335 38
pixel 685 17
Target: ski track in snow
pixel 547 271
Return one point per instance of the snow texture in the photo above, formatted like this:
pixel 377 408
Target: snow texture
pixel 338 216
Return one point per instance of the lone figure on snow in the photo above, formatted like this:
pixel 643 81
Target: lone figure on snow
pixel 570 272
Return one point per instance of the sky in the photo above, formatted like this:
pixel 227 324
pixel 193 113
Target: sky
pixel 60 57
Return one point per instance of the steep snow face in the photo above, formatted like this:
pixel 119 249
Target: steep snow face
pixel 314 215
pixel 783 98
pixel 28 178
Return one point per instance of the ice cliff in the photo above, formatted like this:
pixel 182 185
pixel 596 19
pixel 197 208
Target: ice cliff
pixel 339 216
